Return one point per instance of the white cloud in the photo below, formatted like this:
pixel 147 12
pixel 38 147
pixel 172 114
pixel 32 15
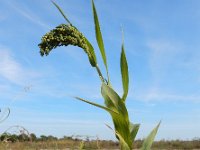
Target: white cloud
pixel 163 54
pixel 155 94
pixel 13 71
pixel 168 57
pixel 10 69
pixel 29 15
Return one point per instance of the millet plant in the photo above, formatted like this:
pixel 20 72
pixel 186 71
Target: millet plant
pixel 115 105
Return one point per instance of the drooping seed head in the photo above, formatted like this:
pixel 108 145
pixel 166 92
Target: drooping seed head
pixel 64 35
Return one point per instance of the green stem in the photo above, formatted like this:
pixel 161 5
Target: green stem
pixel 100 74
pixel 108 76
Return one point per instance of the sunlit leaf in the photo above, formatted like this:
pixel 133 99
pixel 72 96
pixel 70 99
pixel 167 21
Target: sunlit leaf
pixel 97 105
pixel 123 144
pixel 134 130
pixel 121 121
pixel 149 140
pixel 99 38
pixel 124 73
pixel 111 94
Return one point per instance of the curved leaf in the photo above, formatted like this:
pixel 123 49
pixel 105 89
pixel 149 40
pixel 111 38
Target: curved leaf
pixel 99 38
pixel 111 94
pixel 134 130
pixel 123 144
pixel 97 105
pixel 124 73
pixel 121 121
pixel 149 140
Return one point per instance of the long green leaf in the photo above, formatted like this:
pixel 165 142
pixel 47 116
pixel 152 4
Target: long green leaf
pixel 121 121
pixel 124 73
pixel 62 13
pixel 123 144
pixel 97 105
pixel 108 92
pixel 149 140
pixel 99 38
pixel 107 100
pixel 112 99
pixel 134 130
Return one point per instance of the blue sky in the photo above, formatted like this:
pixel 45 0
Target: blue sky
pixel 162 47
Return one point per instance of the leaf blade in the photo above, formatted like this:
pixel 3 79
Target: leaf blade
pixel 121 121
pixel 111 94
pixel 149 140
pixel 134 130
pixel 124 73
pixel 97 105
pixel 99 37
pixel 123 143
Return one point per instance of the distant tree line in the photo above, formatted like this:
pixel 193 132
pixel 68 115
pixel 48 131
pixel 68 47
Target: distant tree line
pixel 25 137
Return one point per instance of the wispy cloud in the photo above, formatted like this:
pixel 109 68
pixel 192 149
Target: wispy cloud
pixel 155 94
pixel 168 60
pixel 29 15
pixel 13 71
pixel 163 54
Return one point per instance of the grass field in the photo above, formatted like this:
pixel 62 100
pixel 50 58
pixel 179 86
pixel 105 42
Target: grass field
pixel 72 144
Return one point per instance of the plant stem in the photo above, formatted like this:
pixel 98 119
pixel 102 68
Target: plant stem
pixel 100 74
pixel 108 76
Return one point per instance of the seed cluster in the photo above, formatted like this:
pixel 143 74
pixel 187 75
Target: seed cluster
pixel 63 35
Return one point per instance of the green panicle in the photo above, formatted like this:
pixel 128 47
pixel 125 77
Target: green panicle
pixel 64 35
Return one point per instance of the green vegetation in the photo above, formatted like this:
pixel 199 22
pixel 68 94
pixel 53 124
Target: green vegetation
pixel 67 34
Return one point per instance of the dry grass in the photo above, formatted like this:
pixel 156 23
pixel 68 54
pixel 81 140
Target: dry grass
pixel 71 144
pixel 58 145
